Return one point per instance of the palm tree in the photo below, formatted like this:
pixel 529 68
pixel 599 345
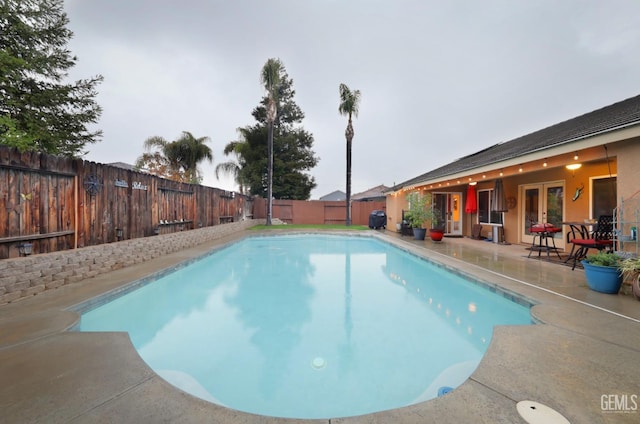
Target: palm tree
pixel 165 162
pixel 192 152
pixel 270 78
pixel 177 160
pixel 233 167
pixel 349 104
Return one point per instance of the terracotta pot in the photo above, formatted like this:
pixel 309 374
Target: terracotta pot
pixel 635 287
pixel 436 235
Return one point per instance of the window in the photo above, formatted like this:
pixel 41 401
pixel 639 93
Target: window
pixel 485 215
pixel 604 196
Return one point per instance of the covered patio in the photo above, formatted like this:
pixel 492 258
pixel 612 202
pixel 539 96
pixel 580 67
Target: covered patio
pixel 571 172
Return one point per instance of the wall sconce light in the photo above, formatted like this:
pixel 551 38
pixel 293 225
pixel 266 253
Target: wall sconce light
pixel 119 233
pixel 25 249
pixel 573 166
pixel 473 183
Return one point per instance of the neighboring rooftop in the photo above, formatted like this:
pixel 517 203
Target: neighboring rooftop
pixel 375 193
pixel 123 166
pixel 334 196
pixel 618 115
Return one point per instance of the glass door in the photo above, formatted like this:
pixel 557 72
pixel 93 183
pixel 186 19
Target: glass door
pixel 542 203
pixel 448 208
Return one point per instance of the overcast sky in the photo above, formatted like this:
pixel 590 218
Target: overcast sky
pixel 439 79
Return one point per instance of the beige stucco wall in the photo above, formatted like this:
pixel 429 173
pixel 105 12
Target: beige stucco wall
pixel 628 157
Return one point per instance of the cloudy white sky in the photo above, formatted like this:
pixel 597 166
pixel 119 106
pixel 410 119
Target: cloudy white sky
pixel 439 79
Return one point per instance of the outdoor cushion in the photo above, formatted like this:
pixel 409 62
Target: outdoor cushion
pixel 592 242
pixel 544 228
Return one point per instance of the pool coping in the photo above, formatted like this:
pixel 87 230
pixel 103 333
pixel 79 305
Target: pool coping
pixel 546 363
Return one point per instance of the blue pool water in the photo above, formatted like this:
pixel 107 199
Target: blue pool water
pixel 308 326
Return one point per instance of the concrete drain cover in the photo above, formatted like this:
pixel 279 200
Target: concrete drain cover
pixel 537 413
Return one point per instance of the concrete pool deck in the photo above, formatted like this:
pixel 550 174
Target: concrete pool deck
pixel 582 361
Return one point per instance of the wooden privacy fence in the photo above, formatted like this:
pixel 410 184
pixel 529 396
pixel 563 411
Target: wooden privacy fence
pixel 52 203
pixel 317 211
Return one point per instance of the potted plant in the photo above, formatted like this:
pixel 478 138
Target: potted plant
pixel 630 268
pixel 435 232
pixel 420 211
pixel 603 272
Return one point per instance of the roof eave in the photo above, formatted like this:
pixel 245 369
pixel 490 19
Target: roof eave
pixel 600 138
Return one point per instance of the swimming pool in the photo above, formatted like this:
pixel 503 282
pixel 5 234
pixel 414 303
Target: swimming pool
pixel 310 326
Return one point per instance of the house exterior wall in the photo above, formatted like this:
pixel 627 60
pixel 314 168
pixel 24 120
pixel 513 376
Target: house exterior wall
pixel 620 159
pixel 628 158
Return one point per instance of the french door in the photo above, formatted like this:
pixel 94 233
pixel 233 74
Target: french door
pixel 542 203
pixel 448 207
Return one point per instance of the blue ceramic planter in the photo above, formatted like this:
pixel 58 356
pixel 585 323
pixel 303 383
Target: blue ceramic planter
pixel 603 279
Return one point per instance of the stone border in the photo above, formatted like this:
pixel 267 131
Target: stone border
pixel 28 276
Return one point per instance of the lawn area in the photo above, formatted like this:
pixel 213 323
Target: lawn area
pixel 311 227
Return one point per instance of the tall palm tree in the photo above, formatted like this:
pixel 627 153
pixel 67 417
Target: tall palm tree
pixel 193 151
pixel 270 78
pixel 349 105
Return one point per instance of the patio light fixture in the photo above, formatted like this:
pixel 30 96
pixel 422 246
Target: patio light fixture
pixel 573 166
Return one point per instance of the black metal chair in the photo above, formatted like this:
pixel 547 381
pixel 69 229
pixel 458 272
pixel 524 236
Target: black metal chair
pixel 601 238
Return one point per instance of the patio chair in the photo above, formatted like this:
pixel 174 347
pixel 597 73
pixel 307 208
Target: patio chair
pixel 601 238
pixel 544 232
